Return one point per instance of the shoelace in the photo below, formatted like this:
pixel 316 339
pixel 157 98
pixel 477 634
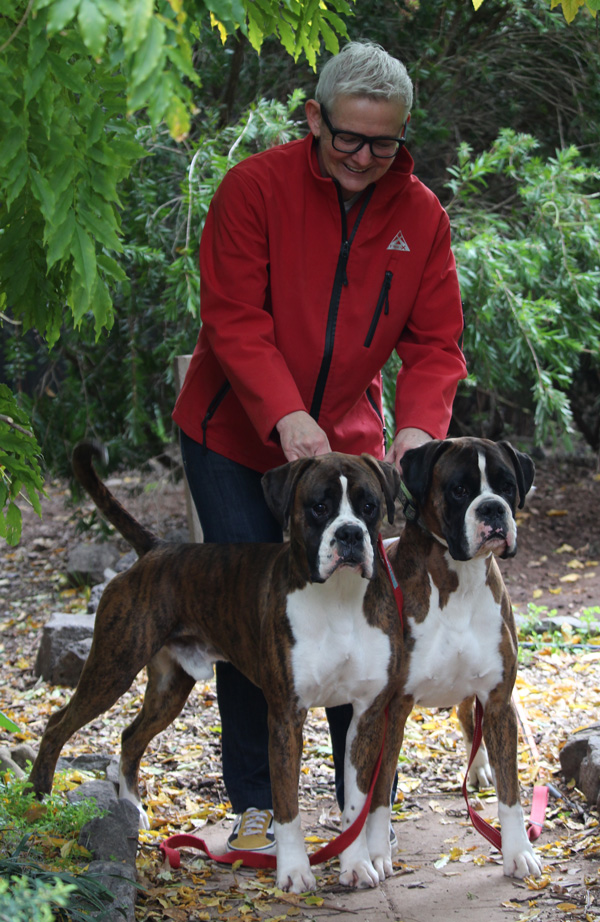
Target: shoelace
pixel 253 821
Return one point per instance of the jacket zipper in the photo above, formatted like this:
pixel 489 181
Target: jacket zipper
pixel 373 403
pixel 383 301
pixel 339 281
pixel 213 407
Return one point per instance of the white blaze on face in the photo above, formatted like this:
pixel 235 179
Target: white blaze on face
pixel 476 530
pixel 329 557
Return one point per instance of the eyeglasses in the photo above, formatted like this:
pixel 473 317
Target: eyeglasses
pixel 349 142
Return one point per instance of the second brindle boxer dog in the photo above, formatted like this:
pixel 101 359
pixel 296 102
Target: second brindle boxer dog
pixel 461 639
pixel 313 622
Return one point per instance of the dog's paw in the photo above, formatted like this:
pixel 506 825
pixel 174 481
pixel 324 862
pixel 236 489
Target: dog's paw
pixel 360 875
pixel 383 866
pixel 480 773
pixel 296 880
pixel 521 863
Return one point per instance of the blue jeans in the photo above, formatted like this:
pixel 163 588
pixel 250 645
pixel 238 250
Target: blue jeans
pixel 231 507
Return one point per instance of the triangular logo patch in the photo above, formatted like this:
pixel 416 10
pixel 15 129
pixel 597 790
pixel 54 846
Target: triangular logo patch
pixel 399 243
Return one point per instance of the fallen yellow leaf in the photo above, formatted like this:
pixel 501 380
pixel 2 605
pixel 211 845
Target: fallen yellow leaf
pixel 554 512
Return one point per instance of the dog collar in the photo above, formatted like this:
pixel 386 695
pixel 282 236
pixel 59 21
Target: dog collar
pixel 409 506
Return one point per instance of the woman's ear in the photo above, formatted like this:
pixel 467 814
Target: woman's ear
pixel 313 116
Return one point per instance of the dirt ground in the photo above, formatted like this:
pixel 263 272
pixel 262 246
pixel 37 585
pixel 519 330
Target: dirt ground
pixel 443 869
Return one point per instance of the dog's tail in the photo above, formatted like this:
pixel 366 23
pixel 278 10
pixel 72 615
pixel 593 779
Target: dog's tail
pixel 135 534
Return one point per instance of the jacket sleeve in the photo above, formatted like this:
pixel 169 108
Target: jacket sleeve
pixel 429 347
pixel 236 316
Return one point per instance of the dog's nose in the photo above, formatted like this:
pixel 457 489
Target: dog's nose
pixel 349 536
pixel 492 510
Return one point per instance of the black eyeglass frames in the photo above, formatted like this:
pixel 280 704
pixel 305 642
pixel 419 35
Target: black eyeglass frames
pixel 349 142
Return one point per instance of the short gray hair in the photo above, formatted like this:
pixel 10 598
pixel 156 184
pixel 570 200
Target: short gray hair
pixel 364 69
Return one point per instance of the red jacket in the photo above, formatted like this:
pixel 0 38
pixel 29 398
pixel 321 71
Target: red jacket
pixel 302 306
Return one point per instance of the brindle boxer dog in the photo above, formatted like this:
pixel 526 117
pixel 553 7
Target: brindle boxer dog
pixel 461 640
pixel 313 622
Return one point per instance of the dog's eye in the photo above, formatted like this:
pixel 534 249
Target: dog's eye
pixel 320 510
pixel 507 488
pixel 460 491
pixel 369 509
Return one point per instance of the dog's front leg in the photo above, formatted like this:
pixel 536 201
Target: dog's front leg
pixel 357 869
pixel 285 751
pixel 480 772
pixel 379 819
pixel 501 734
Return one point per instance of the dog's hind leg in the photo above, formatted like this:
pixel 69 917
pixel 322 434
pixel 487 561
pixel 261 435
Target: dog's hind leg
pixel 166 693
pixel 99 687
pixel 480 773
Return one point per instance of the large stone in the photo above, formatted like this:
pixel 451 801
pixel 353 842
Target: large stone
pixel 119 879
pixel 87 562
pixel 113 837
pixel 64 647
pixel 580 761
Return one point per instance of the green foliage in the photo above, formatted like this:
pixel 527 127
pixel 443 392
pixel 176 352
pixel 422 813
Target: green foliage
pixel 123 395
pixel 72 75
pixel 21 811
pixel 529 274
pixel 22 900
pixel 20 473
pixel 35 886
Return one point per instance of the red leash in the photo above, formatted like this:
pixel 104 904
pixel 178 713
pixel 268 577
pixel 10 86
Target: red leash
pixel 256 859
pixel 539 800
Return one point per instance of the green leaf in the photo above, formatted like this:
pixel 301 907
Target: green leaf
pixel 93 25
pixel 8 724
pixel 139 17
pixel 149 55
pixel 44 194
pixel 61 12
pixel 59 241
pixel 84 256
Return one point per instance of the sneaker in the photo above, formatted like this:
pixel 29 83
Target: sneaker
pixel 253 831
pixel 393 840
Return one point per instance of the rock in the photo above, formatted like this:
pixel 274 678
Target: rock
pixel 65 644
pixel 580 760
pixel 87 562
pixel 91 762
pixel 589 772
pixel 22 755
pixel 7 763
pixel 119 879
pixel 103 792
pixel 113 837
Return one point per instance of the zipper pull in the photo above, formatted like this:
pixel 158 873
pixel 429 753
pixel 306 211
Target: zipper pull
pixel 387 286
pixel 344 254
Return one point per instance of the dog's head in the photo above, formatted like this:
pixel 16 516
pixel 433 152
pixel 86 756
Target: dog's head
pixel 467 491
pixel 334 505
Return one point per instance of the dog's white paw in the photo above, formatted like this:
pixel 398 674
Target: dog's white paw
pixel 296 880
pixel 383 866
pixel 360 875
pixel 518 857
pixel 521 863
pixel 480 773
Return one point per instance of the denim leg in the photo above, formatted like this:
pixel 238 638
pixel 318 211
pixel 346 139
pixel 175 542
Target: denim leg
pixel 231 507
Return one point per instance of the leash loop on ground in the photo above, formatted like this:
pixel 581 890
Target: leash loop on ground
pixel 539 800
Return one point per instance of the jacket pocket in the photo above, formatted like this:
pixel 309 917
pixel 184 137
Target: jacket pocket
pixel 213 407
pixel 383 304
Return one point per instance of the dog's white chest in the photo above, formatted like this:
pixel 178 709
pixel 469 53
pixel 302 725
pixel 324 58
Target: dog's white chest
pixel 337 658
pixel 457 648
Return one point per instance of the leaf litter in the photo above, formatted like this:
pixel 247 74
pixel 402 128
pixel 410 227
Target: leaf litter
pixel 558 691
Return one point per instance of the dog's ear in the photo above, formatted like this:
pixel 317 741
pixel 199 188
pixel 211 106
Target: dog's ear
pixel 417 467
pixel 389 479
pixel 524 470
pixel 279 486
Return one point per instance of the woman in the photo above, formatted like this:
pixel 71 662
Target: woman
pixel 318 258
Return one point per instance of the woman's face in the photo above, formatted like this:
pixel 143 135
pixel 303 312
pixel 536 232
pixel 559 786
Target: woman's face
pixel 361 115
